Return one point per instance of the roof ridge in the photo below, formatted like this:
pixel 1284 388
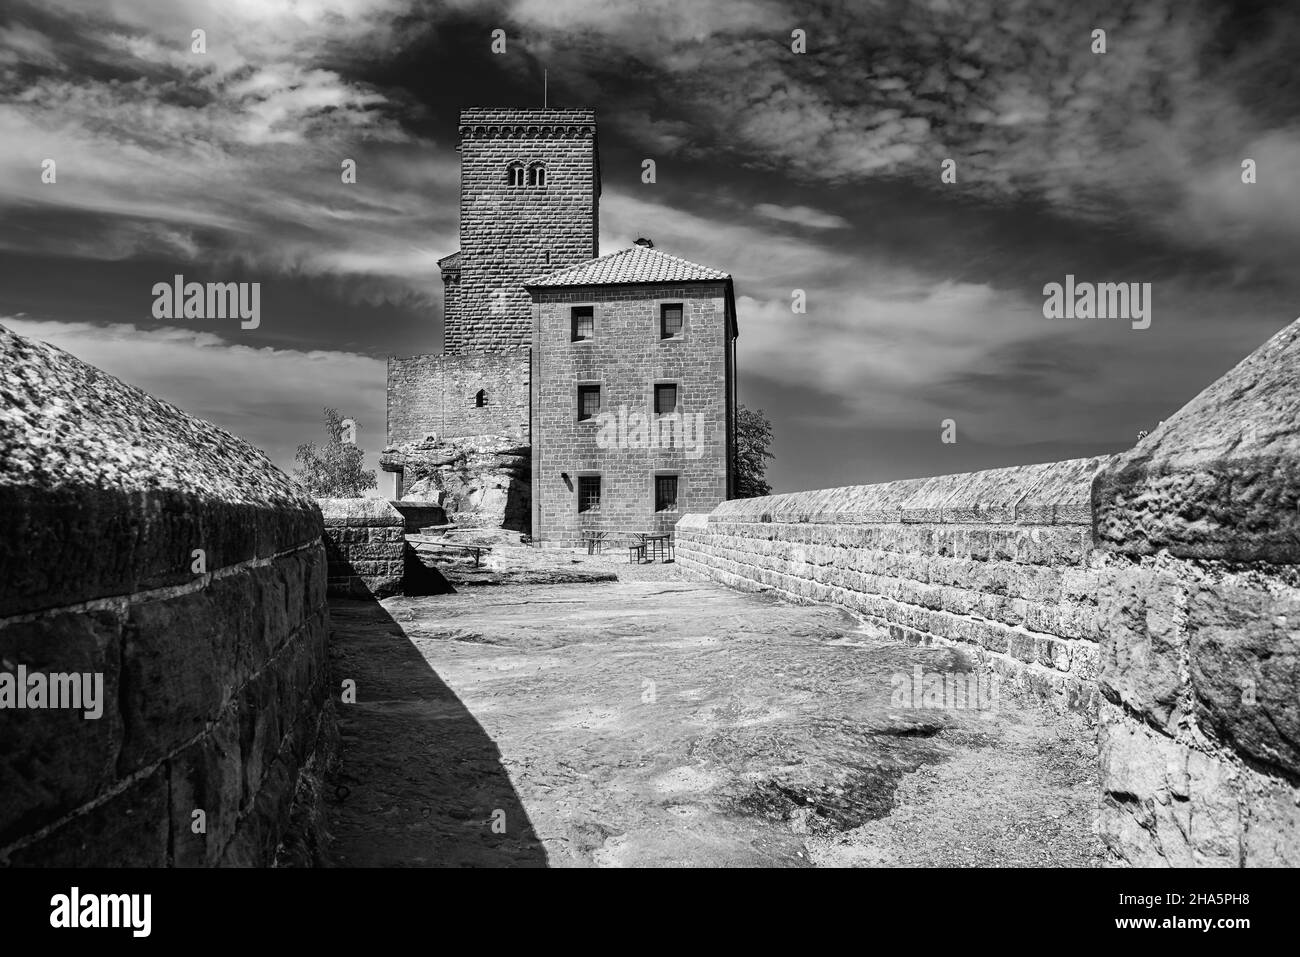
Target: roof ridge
pixel 637 249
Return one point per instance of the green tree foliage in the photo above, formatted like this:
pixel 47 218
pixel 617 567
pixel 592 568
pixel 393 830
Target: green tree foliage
pixel 753 448
pixel 333 470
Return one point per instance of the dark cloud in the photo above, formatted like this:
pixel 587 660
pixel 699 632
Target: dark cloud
pixel 817 172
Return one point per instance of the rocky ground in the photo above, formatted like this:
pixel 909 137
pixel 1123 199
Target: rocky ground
pixel 653 720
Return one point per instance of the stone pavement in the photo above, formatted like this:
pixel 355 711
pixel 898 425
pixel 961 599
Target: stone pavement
pixel 659 721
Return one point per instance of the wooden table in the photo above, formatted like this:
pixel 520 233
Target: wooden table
pixel 649 546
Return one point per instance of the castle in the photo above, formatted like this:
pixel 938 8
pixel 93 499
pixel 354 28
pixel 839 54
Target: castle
pixel 600 391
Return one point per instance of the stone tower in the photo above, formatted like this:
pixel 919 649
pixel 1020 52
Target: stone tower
pixel 529 204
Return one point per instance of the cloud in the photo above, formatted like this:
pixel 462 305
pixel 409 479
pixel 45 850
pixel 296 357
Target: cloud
pixel 1144 138
pixel 801 216
pixel 230 156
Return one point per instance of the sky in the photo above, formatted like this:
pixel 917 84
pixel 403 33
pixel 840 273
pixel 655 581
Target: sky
pixel 818 171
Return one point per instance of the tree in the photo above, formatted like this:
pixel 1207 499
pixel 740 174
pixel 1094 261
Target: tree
pixel 334 471
pixel 753 446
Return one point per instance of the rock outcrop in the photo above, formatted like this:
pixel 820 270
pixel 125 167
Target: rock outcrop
pixel 478 481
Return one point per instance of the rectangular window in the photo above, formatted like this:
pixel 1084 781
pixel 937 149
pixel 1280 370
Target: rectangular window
pixel 670 320
pixel 584 323
pixel 588 402
pixel 588 493
pixel 665 398
pixel 665 493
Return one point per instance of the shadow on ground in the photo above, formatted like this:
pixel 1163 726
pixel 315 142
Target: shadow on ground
pixel 418 782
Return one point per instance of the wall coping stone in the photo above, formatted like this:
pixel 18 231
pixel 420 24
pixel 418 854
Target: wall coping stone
pixel 359 511
pixel 1050 493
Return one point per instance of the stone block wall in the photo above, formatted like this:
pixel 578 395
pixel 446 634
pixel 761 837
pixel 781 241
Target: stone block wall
pixel 175 566
pixel 1200 717
pixel 1158 589
pixel 626 357
pixel 999 561
pixel 435 394
pixel 509 234
pixel 365 540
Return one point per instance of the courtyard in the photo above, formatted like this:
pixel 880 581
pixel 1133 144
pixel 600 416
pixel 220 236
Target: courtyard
pixel 588 712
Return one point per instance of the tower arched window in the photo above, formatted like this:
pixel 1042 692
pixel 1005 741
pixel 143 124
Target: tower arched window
pixel 537 174
pixel 480 400
pixel 515 174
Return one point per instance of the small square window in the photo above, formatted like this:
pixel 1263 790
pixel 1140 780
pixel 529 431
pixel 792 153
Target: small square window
pixel 588 493
pixel 588 401
pixel 665 398
pixel 584 323
pixel 665 493
pixel 670 320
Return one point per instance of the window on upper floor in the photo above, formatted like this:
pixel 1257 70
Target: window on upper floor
pixel 480 399
pixel 584 322
pixel 515 174
pixel 537 175
pixel 665 397
pixel 670 320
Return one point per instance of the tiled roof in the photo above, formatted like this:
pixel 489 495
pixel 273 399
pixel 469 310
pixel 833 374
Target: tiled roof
pixel 635 264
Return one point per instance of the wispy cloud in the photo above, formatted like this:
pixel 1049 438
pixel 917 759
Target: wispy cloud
pixel 229 155
pixel 801 216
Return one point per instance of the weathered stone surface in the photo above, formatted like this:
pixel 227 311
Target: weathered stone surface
pixel 92 466
pixel 1145 642
pixel 1166 803
pixel 365 546
pixel 1245 666
pixel 1220 478
pixel 480 480
pixel 129 829
pixel 179 668
pixel 208 777
pixel 104 494
pixel 1047 494
pixel 420 515
pixel 52 761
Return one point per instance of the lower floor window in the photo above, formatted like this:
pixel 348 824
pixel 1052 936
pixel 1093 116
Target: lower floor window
pixel 588 493
pixel 665 493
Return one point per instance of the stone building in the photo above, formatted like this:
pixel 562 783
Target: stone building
pixel 573 391
pixel 633 392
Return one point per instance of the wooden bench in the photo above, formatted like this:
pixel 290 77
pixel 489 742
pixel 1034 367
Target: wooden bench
pixel 476 550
